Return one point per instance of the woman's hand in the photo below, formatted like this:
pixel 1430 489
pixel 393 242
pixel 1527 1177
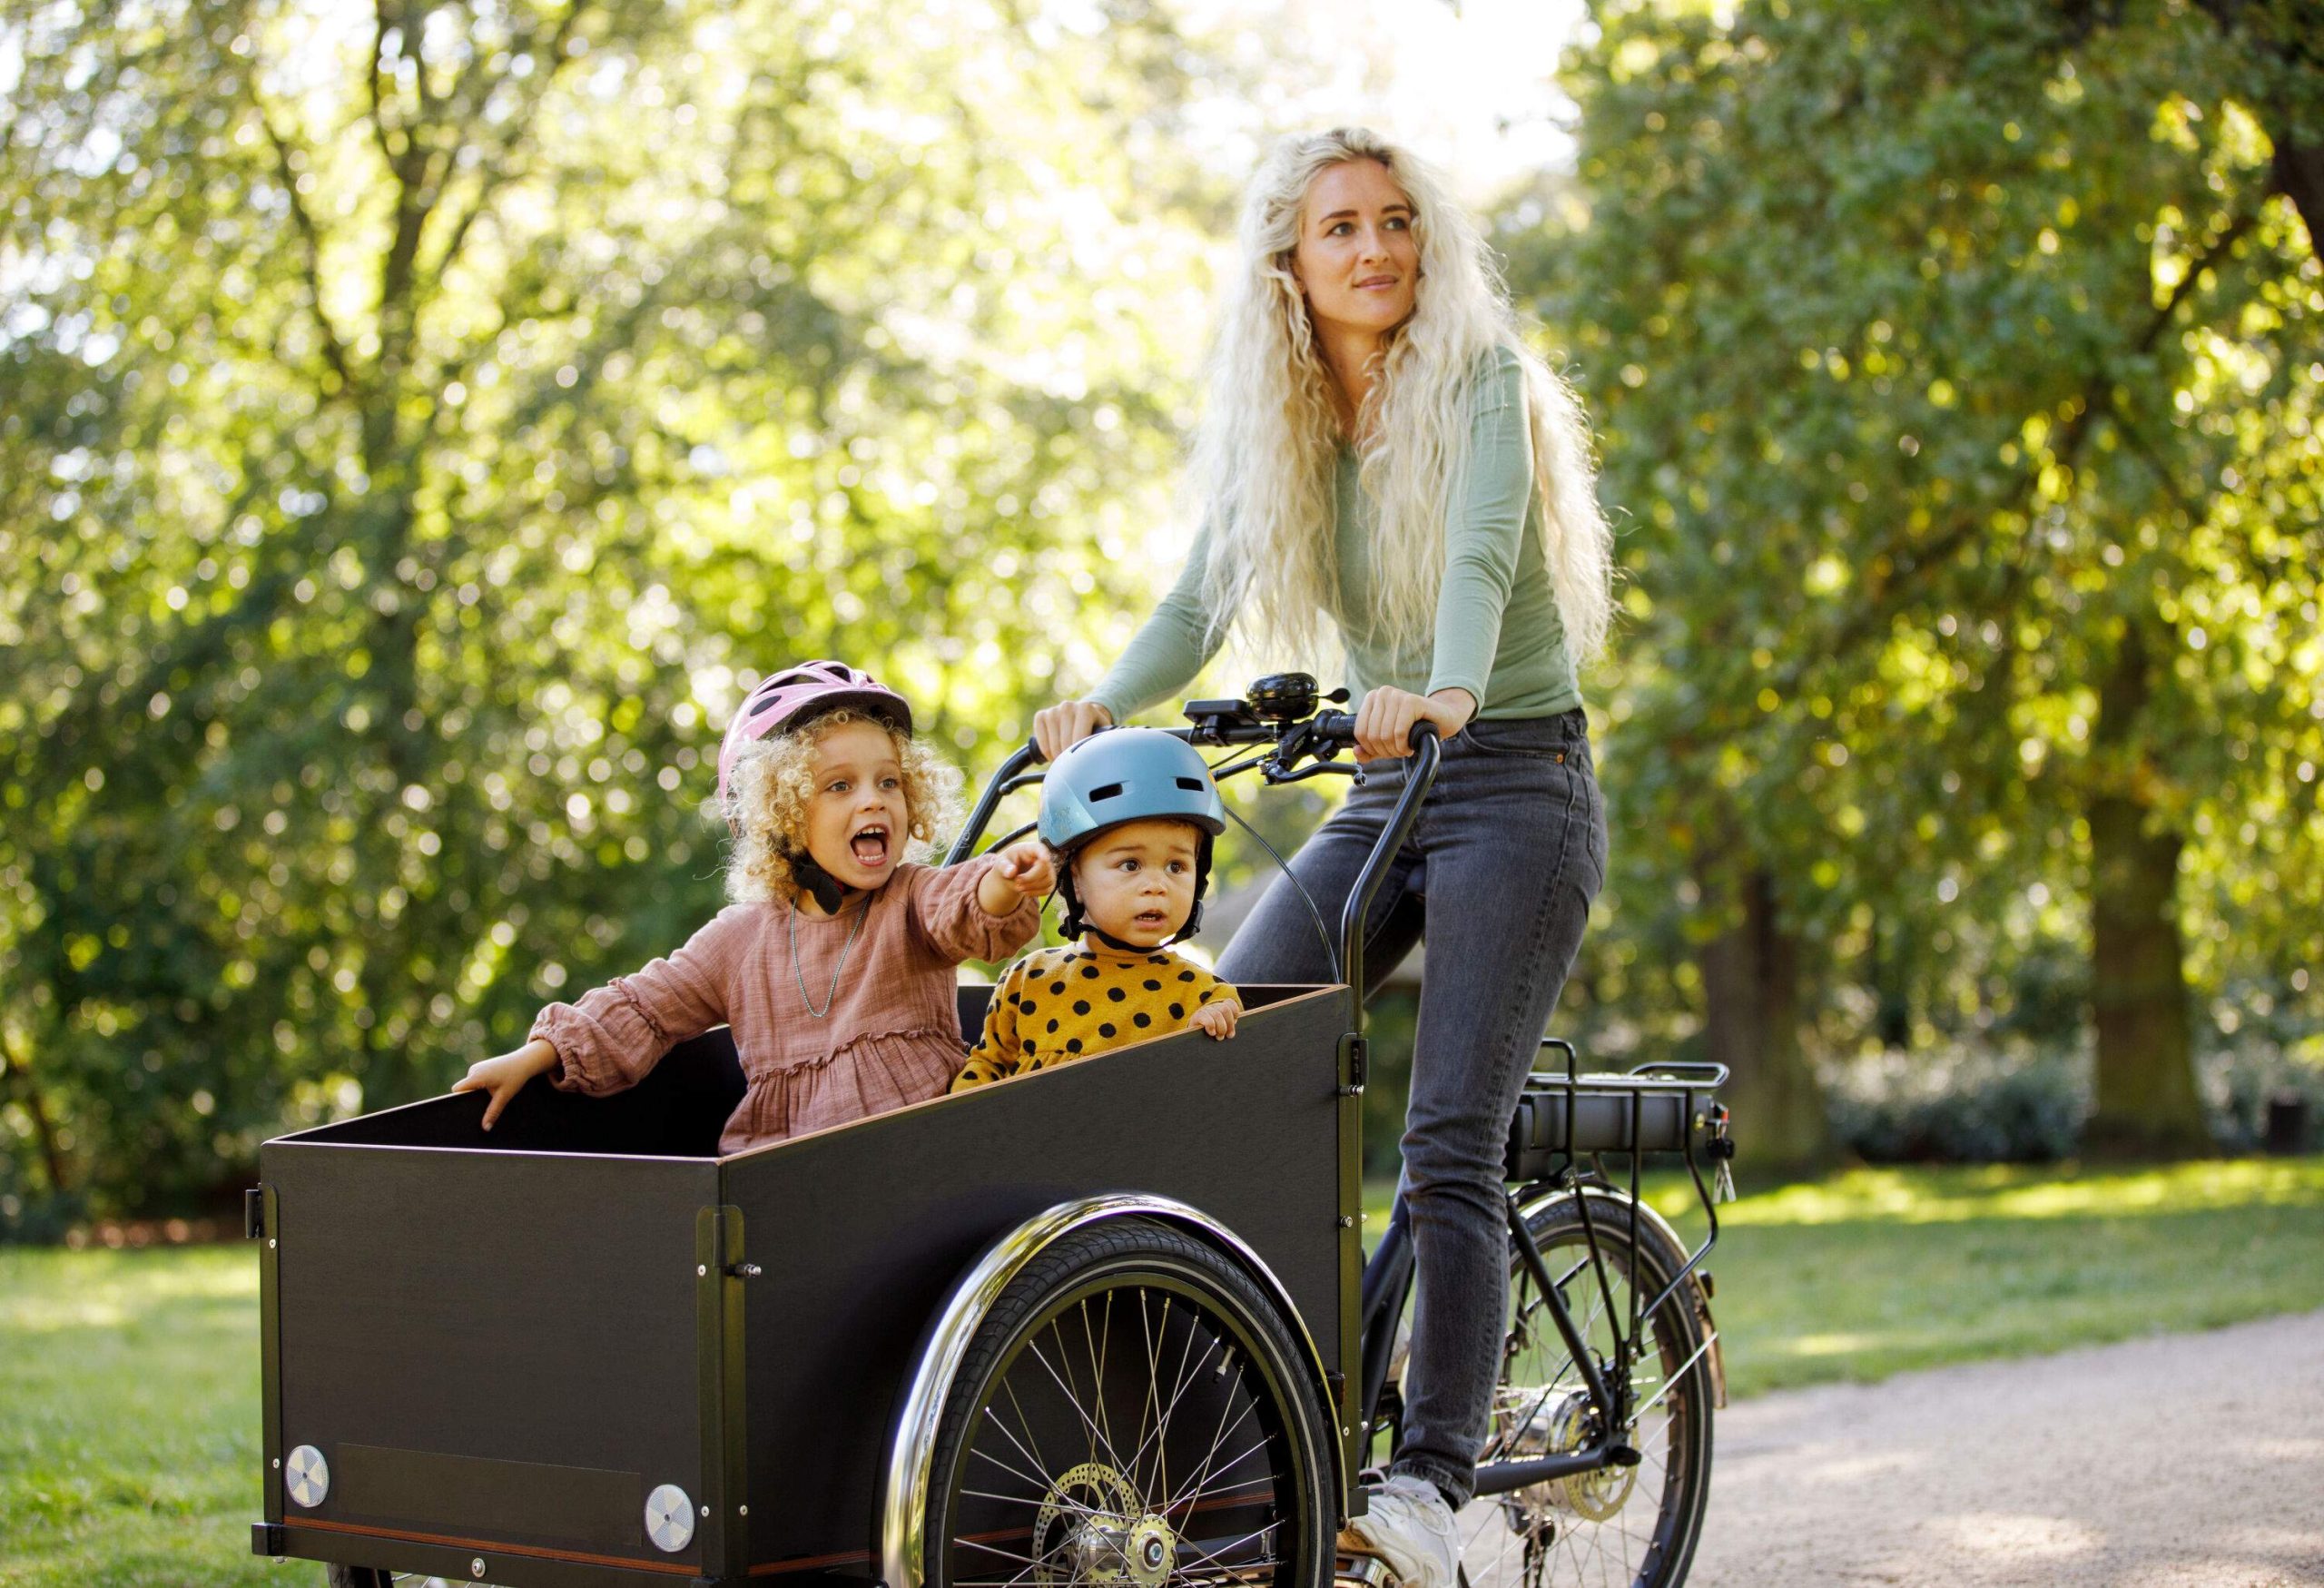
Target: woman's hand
pixel 1218 1018
pixel 506 1076
pixel 1025 871
pixel 1068 723
pixel 1384 719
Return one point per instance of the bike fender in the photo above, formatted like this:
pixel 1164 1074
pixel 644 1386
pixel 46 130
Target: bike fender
pixel 903 1507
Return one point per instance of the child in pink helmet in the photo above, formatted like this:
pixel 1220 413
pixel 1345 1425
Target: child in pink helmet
pixel 833 966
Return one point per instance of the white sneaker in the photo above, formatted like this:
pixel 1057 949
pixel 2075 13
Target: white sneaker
pixel 1410 1527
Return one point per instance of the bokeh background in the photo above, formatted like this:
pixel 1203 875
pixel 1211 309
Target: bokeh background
pixel 419 423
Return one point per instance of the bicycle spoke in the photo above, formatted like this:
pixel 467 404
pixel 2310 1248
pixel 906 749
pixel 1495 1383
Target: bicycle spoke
pixel 1039 1465
pixel 991 1550
pixel 1098 1361
pixel 1072 1399
pixel 1159 1438
pixel 1217 1556
pixel 1219 1437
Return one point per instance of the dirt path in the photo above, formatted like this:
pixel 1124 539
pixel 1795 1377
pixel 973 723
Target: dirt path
pixel 2191 1461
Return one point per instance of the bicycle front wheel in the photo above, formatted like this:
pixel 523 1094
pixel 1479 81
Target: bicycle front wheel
pixel 1619 1527
pixel 1132 1415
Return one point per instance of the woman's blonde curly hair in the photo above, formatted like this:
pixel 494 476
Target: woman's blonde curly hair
pixel 1264 455
pixel 773 780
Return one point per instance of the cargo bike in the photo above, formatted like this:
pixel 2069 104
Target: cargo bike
pixel 1108 1324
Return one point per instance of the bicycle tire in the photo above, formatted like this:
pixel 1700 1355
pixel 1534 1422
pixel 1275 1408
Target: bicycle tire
pixel 1634 1527
pixel 1131 1314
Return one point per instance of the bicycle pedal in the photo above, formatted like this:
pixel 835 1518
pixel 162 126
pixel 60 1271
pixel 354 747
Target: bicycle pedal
pixel 1355 1566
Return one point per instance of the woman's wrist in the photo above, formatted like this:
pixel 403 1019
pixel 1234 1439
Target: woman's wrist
pixel 1457 700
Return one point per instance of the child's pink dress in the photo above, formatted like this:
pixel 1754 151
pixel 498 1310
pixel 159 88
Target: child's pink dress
pixel 890 1034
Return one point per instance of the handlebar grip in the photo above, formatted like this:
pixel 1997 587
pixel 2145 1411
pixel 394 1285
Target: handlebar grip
pixel 1339 727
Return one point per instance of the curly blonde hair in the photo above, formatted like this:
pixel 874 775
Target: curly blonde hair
pixel 1262 457
pixel 773 780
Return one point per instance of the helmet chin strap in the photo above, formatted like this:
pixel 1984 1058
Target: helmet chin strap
pixel 827 890
pixel 1072 924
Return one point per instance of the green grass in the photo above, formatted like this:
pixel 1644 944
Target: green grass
pixel 1882 1270
pixel 128 1418
pixel 129 1408
pixel 1876 1271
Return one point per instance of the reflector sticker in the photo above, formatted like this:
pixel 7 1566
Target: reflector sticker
pixel 306 1476
pixel 669 1518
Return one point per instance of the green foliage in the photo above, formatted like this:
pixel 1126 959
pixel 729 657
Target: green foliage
pixel 1957 370
pixel 421 426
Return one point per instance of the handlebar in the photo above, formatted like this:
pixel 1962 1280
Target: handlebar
pixel 1232 722
pixel 1277 713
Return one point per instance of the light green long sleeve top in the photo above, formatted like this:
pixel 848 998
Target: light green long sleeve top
pixel 1498 634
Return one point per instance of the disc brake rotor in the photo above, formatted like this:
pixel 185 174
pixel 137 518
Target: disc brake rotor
pixel 1092 1528
pixel 1557 1423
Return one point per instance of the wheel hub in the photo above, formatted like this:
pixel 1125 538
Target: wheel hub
pixel 1093 1529
pixel 1153 1550
pixel 1557 1423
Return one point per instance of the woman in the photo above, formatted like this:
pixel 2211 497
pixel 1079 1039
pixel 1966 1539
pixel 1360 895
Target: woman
pixel 1380 447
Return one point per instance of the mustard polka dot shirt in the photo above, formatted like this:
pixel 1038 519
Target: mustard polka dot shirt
pixel 1059 1004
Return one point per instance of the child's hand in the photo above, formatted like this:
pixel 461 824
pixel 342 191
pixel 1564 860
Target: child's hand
pixel 1219 1019
pixel 506 1076
pixel 1025 871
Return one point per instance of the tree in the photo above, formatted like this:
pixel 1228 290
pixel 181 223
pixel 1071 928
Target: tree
pixel 422 423
pixel 1959 367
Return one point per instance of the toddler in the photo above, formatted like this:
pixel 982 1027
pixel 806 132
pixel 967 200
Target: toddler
pixel 1129 817
pixel 834 964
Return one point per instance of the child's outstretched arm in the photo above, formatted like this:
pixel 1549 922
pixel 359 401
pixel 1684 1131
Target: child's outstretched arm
pixel 984 908
pixel 507 1076
pixel 1023 870
pixel 608 1038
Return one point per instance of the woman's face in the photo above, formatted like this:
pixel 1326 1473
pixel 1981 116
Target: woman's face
pixel 857 816
pixel 1357 259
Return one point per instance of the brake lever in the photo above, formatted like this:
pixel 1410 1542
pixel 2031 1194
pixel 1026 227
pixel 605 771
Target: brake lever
pixel 1277 774
pixel 1282 766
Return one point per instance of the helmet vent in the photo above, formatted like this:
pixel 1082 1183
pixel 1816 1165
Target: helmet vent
pixel 1108 790
pixel 1193 783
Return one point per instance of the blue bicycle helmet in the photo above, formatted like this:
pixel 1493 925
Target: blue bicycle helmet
pixel 1128 774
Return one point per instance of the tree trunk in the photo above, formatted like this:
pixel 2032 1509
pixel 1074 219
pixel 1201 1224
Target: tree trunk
pixel 2146 1103
pixel 1751 1024
pixel 52 1156
pixel 1892 1013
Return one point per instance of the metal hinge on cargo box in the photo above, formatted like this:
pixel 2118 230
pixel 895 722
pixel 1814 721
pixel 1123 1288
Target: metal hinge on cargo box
pixel 254 1213
pixel 1354 1056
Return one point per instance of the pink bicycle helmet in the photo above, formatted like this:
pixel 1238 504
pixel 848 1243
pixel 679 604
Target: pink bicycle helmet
pixel 794 694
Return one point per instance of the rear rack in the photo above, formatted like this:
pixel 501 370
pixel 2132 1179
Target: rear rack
pixel 1667 1106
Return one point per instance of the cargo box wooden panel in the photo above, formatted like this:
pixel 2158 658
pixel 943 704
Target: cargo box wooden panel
pixel 501 1344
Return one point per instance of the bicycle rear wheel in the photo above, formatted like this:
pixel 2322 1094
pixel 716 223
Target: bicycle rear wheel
pixel 1619 1527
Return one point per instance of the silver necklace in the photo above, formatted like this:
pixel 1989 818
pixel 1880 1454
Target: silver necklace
pixel 832 996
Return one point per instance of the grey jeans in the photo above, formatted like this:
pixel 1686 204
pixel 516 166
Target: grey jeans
pixel 1509 850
